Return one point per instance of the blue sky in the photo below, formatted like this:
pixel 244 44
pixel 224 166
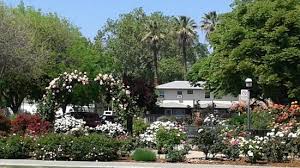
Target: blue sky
pixel 91 15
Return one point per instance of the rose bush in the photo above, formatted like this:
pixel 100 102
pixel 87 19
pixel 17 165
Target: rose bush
pixel 149 136
pixel 29 124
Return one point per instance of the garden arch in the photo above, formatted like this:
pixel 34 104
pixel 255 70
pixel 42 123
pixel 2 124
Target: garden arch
pixel 114 89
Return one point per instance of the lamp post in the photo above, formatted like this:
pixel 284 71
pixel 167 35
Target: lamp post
pixel 248 82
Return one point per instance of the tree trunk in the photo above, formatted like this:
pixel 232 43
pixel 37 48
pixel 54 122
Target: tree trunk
pixel 184 59
pixel 15 103
pixel 129 125
pixel 155 54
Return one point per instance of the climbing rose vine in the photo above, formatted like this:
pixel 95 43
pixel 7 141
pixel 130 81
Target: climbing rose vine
pixel 58 91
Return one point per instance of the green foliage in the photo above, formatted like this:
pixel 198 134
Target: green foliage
pixel 209 141
pixel 231 151
pixel 141 154
pixel 166 70
pixel 177 155
pixel 238 120
pixel 15 147
pixel 167 139
pixel 262 120
pixel 68 147
pixel 95 147
pixel 5 125
pixel 53 147
pixel 275 150
pixel 126 34
pixel 139 126
pixel 258 39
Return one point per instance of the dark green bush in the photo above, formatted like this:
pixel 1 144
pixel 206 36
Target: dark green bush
pixel 238 120
pixel 95 147
pixel 15 147
pixel 53 147
pixel 5 125
pixel 139 126
pixel 176 155
pixel 69 147
pixel 262 120
pixel 141 154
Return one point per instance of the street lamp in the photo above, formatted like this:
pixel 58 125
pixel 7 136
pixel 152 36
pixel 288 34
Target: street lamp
pixel 248 82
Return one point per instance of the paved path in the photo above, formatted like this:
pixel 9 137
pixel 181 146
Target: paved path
pixel 76 164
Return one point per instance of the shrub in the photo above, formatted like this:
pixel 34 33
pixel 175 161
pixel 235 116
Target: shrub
pixel 70 147
pixel 127 145
pixel 29 124
pixel 238 120
pixel 169 138
pixel 53 147
pixel 69 124
pixel 231 149
pixel 139 126
pixel 15 147
pixel 95 147
pixel 209 140
pixel 141 154
pixel 262 120
pixel 176 155
pixel 111 129
pixel 149 136
pixel 4 125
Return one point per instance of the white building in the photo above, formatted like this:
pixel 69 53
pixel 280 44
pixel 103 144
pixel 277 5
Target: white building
pixel 179 97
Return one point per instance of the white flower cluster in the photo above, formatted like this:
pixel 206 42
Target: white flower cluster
pixel 254 147
pixel 112 129
pixel 149 137
pixel 68 124
pixel 111 83
pixel 281 134
pixel 66 80
pixel 211 120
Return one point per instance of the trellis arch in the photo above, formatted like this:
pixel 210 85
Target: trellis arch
pixel 57 91
pixel 62 86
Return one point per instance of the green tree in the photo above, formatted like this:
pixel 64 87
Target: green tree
pixel 171 69
pixel 209 22
pixel 260 40
pixel 154 38
pixel 20 61
pixel 186 33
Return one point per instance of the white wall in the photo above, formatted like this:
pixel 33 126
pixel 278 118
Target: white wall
pixel 171 94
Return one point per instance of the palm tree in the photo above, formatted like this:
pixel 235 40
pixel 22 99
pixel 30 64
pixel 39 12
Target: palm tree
pixel 209 22
pixel 154 37
pixel 185 29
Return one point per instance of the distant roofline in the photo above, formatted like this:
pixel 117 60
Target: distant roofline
pixel 183 85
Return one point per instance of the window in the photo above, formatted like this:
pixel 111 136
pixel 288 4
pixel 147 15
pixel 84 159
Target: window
pixel 179 92
pixel 168 111
pixel 189 91
pixel 161 94
pixel 207 94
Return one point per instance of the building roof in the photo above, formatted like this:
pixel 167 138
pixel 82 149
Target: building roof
pixel 181 85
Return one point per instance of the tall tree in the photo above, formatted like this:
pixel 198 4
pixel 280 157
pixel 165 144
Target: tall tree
pixel 21 63
pixel 259 39
pixel 209 22
pixel 185 30
pixel 154 38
